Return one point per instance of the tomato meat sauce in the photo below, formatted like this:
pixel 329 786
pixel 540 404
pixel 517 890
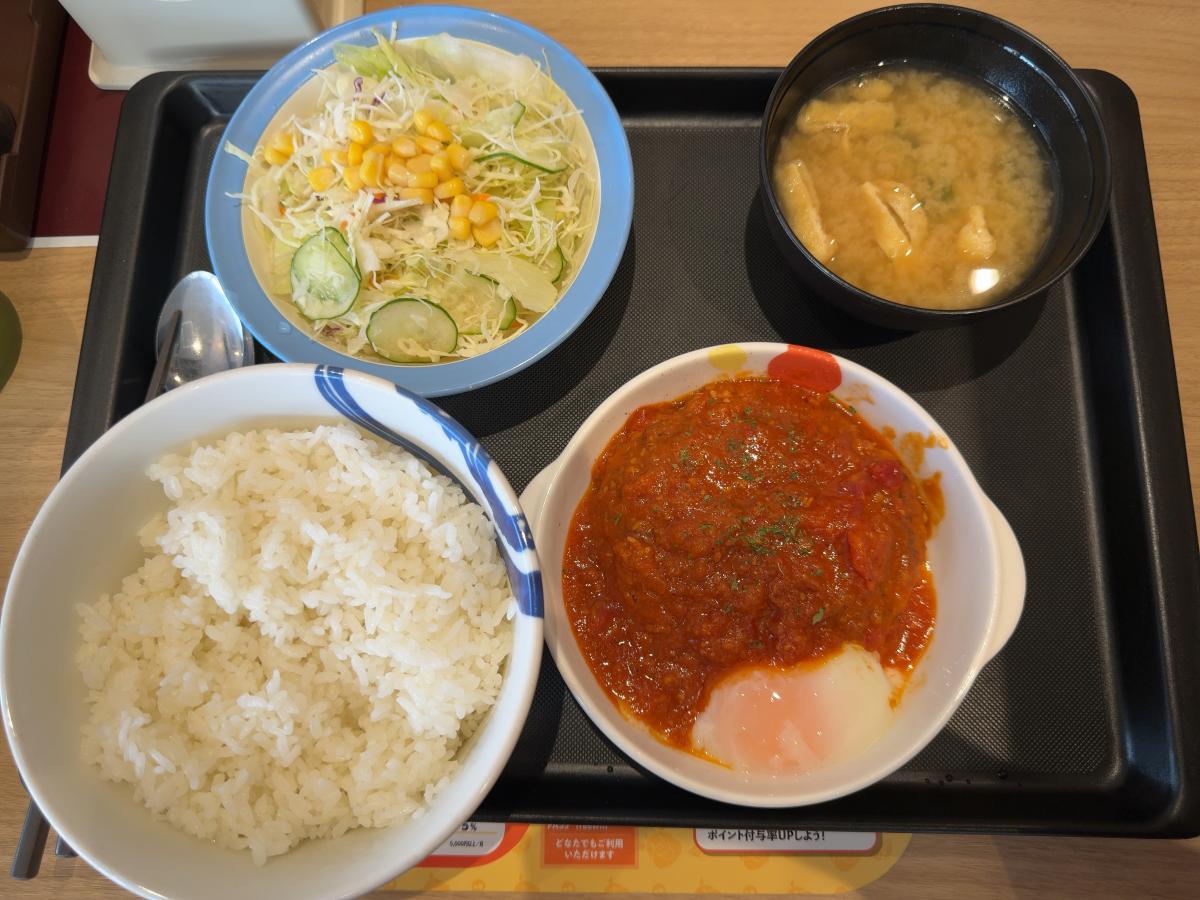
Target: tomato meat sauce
pixel 747 523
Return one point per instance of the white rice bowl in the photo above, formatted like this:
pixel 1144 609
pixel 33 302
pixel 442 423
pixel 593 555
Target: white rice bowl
pixel 319 625
pixel 84 542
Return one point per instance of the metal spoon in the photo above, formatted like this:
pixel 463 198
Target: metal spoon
pixel 211 337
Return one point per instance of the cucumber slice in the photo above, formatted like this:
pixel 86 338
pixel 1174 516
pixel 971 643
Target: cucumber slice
pixel 335 237
pixel 339 241
pixel 510 314
pixel 502 312
pixel 473 300
pixel 540 165
pixel 558 264
pixel 324 282
pixel 476 135
pixel 407 321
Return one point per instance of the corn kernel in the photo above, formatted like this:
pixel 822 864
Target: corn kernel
pixel 460 157
pixel 361 132
pixel 439 131
pixel 488 234
pixel 428 144
pixel 419 163
pixel 354 154
pixel 454 187
pixel 405 147
pixel 460 227
pixel 321 179
pixel 284 143
pixel 482 212
pixel 397 172
pixel 439 165
pixel 461 205
pixel 372 170
pixel 352 176
pixel 422 180
pixel 275 157
pixel 425 195
pixel 381 150
pixel 422 118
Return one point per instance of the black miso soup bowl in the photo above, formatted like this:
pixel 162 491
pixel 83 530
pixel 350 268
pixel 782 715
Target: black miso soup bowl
pixel 1036 81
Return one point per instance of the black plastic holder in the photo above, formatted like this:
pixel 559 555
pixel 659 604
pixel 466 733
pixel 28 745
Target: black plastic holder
pixel 1066 408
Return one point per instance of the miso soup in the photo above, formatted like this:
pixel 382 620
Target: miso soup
pixel 917 185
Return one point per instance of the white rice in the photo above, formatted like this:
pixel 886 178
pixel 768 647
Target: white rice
pixel 320 623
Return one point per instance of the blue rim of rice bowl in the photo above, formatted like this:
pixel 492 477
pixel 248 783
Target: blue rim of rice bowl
pixel 223 223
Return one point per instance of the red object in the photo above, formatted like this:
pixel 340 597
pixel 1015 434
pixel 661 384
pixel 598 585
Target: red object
pixel 748 523
pixel 888 472
pixel 83 129
pixel 806 367
pixel 589 845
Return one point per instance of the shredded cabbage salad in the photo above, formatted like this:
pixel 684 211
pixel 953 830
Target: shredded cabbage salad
pixel 482 227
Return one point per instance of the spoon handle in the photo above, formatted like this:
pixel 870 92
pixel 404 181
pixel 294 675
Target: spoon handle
pixel 28 857
pixel 164 356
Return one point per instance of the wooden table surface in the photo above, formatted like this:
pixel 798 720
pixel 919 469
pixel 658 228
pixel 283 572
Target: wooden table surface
pixel 1153 46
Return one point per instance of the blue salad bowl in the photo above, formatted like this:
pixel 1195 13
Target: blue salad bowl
pixel 226 227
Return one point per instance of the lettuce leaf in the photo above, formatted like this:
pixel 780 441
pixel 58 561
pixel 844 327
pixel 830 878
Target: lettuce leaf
pixel 462 59
pixel 372 62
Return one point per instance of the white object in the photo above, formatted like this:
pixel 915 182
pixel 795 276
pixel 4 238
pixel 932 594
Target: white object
pixel 84 540
pixel 978 572
pixel 135 38
pixel 770 720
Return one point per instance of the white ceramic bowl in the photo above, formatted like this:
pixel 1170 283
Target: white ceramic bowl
pixel 84 540
pixel 977 567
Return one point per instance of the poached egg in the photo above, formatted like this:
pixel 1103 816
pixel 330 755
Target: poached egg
pixel 793 721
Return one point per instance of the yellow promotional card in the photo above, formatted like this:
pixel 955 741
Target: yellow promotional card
pixel 486 856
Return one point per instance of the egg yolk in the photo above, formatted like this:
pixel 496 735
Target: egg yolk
pixel 792 721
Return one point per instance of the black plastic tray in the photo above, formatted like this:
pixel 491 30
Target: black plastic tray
pixel 1066 409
